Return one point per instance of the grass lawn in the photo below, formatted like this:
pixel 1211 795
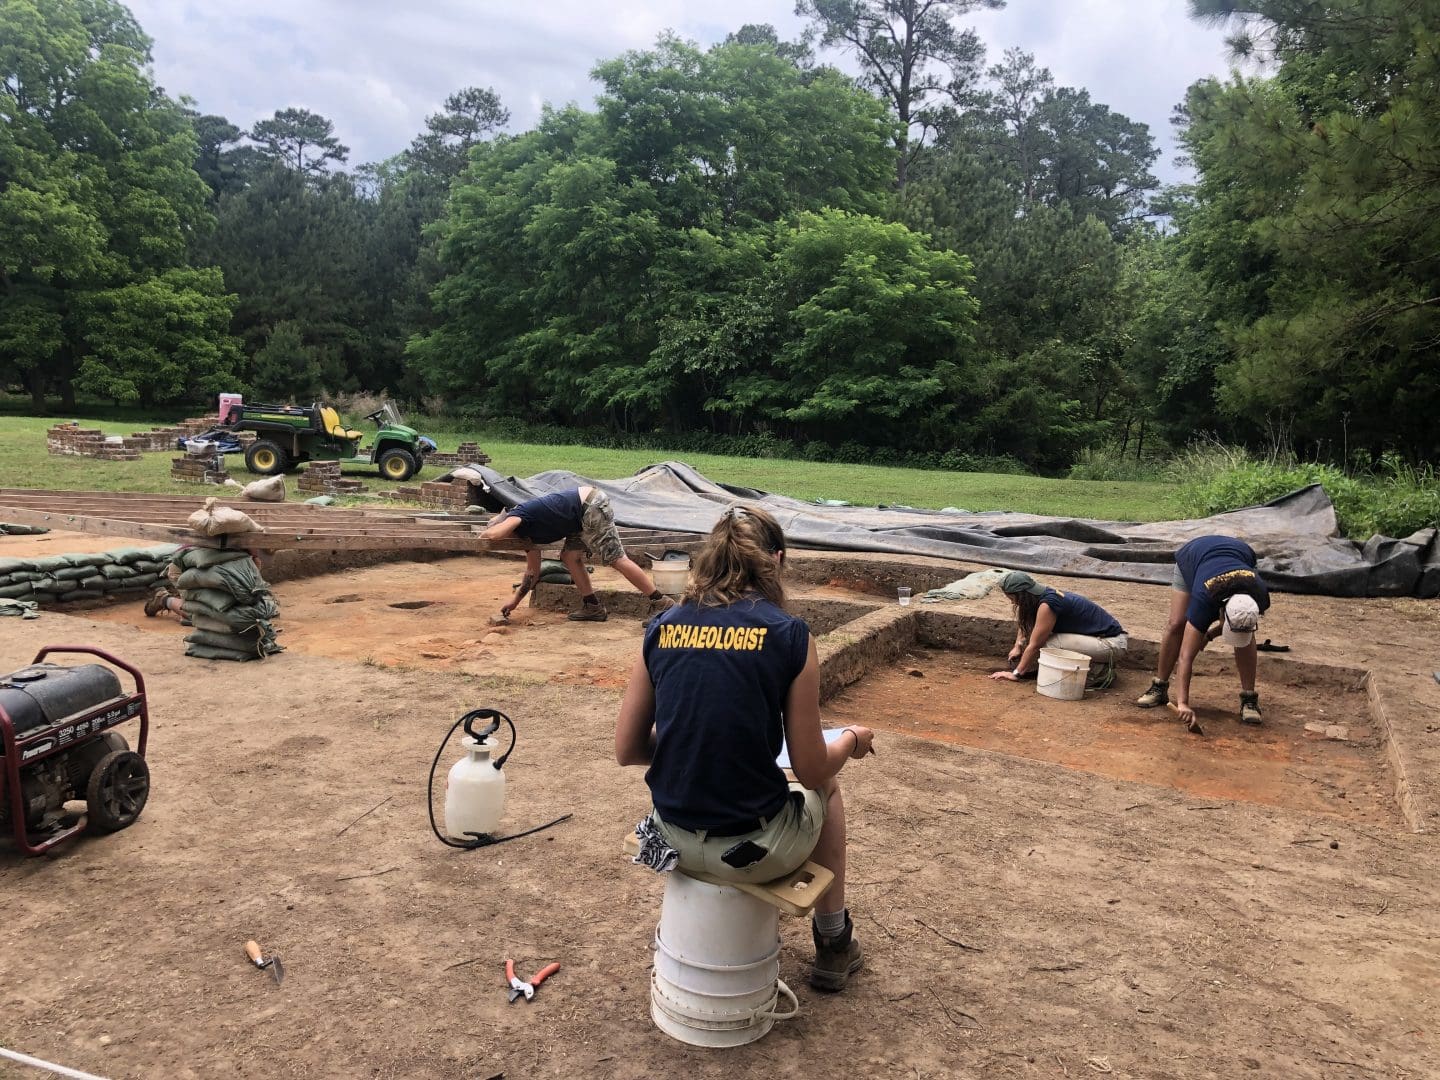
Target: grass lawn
pixel 25 463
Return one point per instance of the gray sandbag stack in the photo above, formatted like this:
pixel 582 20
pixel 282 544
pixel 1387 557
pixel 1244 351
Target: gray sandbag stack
pixel 64 579
pixel 229 604
pixel 222 592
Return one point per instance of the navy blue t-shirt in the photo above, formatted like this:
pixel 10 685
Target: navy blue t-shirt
pixel 1206 558
pixel 1074 614
pixel 721 675
pixel 550 517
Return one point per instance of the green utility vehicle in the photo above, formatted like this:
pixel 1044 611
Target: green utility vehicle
pixel 289 435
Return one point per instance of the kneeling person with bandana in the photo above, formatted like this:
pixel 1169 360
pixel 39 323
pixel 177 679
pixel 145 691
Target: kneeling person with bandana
pixel 1215 582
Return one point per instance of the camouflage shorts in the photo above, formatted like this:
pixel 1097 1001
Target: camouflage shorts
pixel 598 536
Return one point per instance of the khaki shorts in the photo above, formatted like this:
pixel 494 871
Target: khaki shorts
pixel 598 536
pixel 788 838
pixel 1178 581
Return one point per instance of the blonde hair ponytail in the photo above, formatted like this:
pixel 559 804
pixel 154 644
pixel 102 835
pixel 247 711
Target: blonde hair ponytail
pixel 738 559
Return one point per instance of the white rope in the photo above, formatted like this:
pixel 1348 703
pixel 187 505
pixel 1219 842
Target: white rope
pixel 58 1070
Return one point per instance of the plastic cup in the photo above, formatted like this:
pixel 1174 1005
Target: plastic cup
pixel 904 595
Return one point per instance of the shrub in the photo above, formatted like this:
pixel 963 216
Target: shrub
pixel 1394 499
pixel 1109 463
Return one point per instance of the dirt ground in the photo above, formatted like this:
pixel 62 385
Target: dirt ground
pixel 1278 764
pixel 1021 917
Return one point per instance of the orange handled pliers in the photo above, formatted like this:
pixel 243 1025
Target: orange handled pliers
pixel 517 988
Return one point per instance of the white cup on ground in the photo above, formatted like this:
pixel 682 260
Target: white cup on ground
pixel 904 595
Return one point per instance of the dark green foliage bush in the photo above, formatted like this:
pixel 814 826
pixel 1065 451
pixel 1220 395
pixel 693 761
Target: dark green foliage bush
pixel 1392 499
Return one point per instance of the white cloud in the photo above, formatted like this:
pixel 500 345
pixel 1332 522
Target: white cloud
pixel 377 69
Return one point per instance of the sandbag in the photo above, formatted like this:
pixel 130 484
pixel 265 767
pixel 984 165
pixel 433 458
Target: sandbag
pixel 22 575
pixel 200 579
pixel 81 594
pixel 215 520
pixel 115 571
pixel 204 621
pixel 14 592
pixel 214 599
pixel 234 642
pixel 50 564
pixel 141 581
pixel 200 558
pixel 12 566
pixel 72 573
pixel 135 555
pixel 207 652
pixel 94 581
pixel 270 489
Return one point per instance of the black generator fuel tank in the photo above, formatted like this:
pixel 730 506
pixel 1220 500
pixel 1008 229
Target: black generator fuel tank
pixel 44 694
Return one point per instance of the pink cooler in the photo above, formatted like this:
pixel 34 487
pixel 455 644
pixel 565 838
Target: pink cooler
pixel 227 400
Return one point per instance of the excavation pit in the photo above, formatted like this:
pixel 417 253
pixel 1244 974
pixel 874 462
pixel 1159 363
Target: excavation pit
pixel 1279 763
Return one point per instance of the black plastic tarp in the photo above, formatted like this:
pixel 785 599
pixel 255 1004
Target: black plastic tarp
pixel 1300 547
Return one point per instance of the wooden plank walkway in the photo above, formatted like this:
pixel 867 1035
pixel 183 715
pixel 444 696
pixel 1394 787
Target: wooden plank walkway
pixel 288 526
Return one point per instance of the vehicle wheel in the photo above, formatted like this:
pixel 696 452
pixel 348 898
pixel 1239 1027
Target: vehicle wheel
pixel 266 458
pixel 117 791
pixel 398 465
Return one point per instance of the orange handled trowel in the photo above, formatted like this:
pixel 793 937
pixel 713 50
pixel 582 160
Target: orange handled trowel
pixel 252 950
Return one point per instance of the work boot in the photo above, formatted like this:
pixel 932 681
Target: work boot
pixel 156 603
pixel 658 606
pixel 1158 694
pixel 836 959
pixel 1250 707
pixel 590 611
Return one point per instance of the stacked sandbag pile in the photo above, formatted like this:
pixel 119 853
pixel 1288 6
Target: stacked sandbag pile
pixel 228 603
pixel 64 579
pixel 221 589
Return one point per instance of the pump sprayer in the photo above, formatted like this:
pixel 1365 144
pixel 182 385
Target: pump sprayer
pixel 475 787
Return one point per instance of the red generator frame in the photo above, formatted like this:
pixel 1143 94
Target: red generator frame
pixel 65 735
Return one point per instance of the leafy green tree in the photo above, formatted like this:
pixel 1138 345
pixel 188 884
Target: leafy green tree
pixel 910 53
pixel 98 198
pixel 471 115
pixel 1316 222
pixel 300 140
pixel 569 247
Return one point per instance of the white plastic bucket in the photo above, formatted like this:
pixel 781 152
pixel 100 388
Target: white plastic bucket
pixel 1062 674
pixel 670 575
pixel 717 965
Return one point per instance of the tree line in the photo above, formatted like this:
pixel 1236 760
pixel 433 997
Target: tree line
pixel 945 253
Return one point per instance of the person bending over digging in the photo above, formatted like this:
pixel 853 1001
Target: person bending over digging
pixel 1215 580
pixel 722 679
pixel 583 519
pixel 1061 620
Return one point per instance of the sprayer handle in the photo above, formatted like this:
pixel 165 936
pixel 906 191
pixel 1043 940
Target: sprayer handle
pixel 252 950
pixel 544 974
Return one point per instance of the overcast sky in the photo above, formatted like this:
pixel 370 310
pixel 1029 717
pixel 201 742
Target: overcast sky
pixel 377 68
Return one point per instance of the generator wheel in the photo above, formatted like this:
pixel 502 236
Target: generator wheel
pixel 117 791
pixel 398 465
pixel 266 457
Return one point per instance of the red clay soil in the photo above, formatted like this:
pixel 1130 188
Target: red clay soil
pixel 1277 764
pixel 444 625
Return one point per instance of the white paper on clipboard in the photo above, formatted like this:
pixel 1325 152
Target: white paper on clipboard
pixel 830 734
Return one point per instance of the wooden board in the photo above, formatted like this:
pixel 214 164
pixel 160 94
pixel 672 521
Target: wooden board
pixel 795 894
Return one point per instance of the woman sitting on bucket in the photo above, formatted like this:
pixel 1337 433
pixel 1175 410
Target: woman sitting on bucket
pixel 723 679
pixel 1060 620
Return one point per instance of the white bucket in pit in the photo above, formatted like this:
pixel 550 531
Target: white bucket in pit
pixel 1062 674
pixel 717 965
pixel 670 575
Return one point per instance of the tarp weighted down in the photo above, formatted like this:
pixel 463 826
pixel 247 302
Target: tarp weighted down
pixel 1300 547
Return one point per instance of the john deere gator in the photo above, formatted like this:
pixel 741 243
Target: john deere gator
pixel 289 435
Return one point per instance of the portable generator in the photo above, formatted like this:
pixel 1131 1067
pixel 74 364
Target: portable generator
pixel 58 743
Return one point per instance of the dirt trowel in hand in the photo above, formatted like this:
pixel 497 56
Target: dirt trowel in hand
pixel 252 950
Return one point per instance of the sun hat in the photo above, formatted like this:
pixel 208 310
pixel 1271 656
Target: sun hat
pixel 1239 620
pixel 1017 581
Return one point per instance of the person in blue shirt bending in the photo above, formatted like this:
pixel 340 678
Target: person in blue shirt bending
pixel 1061 620
pixel 1216 581
pixel 582 517
pixel 725 679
